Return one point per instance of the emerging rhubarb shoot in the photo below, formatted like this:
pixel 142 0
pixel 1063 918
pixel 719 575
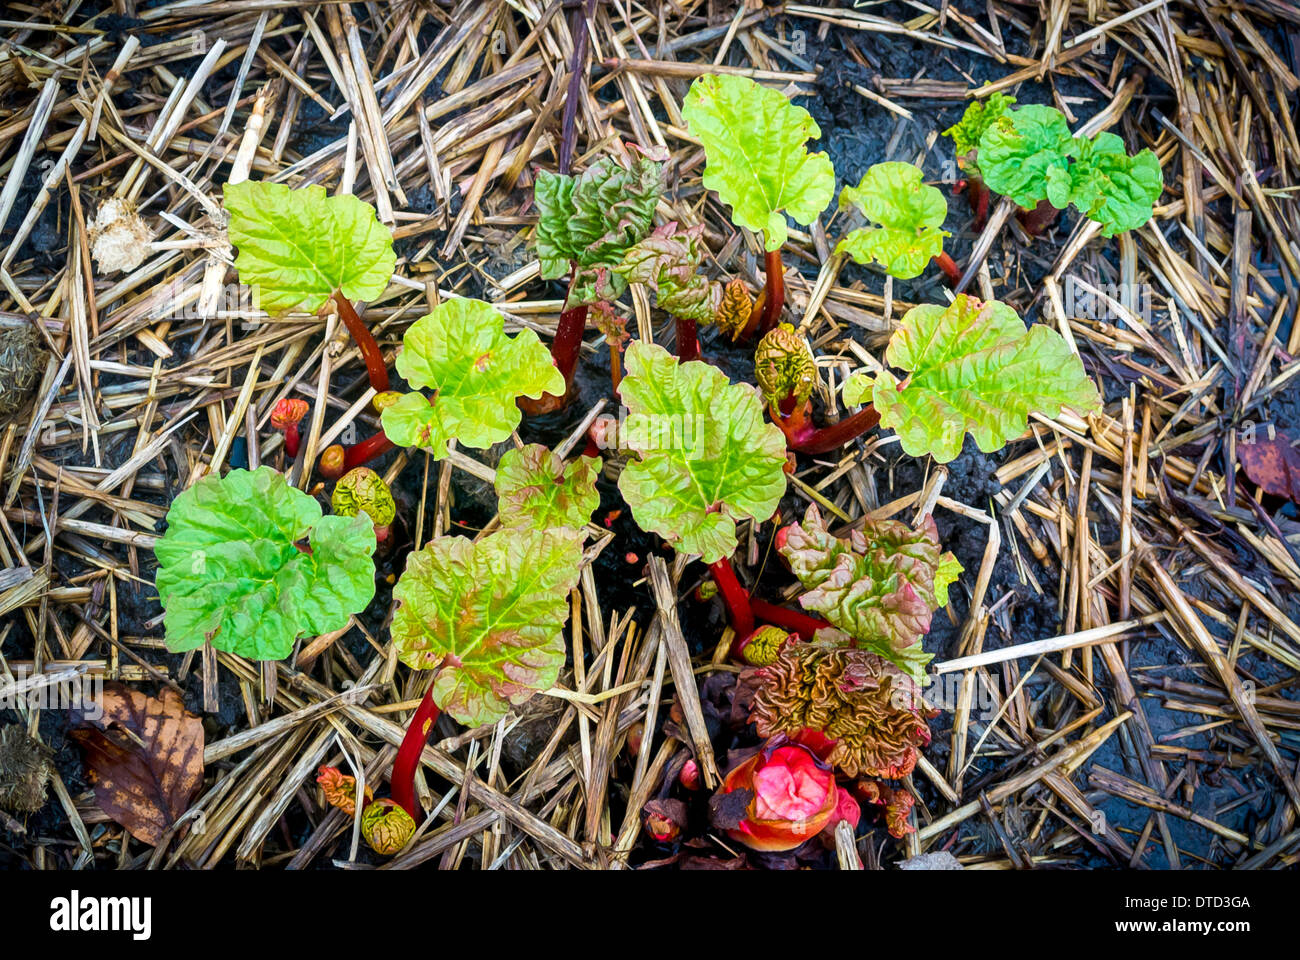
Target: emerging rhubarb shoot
pixel 757 159
pixel 974 368
pixel 1029 155
pixel 668 262
pixel 407 761
pixel 362 491
pixel 476 372
pixel 233 569
pixel 910 215
pixel 785 371
pixel 285 417
pixel 302 248
pixel 585 225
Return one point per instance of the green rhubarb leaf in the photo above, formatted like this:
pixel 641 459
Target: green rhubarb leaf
pixel 1022 150
pixel 979 116
pixel 476 372
pixel 668 261
pixel 707 457
pixel 590 220
pixel 881 586
pixel 230 569
pixel 537 489
pixel 1107 185
pixel 910 214
pixel 491 613
pixel 757 159
pixel 296 247
pixel 974 369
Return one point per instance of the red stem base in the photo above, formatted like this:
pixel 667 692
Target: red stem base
pixel 688 340
pixel 802 435
pixel 801 623
pixel 736 598
pixel 949 268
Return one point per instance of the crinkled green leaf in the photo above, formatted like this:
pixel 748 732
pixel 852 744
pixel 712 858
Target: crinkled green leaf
pixel 296 247
pixel 537 489
pixel 707 457
pixel 1021 150
pixel 229 570
pixel 880 586
pixel 910 215
pixel 979 116
pixel 491 613
pixel 974 369
pixel 857 388
pixel 1107 185
pixel 591 219
pixel 476 372
pixel 757 159
pixel 668 261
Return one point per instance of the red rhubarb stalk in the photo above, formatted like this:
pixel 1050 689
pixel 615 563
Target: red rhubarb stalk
pixel 688 341
pixel 949 268
pixel 1039 219
pixel 735 596
pixel 370 351
pixel 357 455
pixel 564 354
pixel 802 435
pixel 801 623
pixel 408 754
pixel 773 292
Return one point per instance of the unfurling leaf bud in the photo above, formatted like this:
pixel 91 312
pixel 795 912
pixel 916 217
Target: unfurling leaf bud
pixel 341 790
pixel 762 646
pixel 361 490
pixel 734 310
pixel 386 827
pixel 784 367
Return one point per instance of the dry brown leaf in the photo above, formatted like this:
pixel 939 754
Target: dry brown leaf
pixel 1273 462
pixel 144 757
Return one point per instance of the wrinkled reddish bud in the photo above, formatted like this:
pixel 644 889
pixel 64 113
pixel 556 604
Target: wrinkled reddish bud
pixel 341 790
pixel 332 461
pixel 664 819
pixel 897 801
pixel 285 417
pixel 690 775
pixel 386 827
pixel 635 734
pixel 794 797
pixel 603 432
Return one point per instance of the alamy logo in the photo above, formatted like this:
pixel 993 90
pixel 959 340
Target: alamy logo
pixel 76 914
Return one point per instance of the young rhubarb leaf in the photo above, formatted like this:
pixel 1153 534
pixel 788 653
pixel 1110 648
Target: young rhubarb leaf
pixel 1107 185
pixel 476 372
pixel 590 220
pixel 230 568
pixel 910 214
pixel 491 614
pixel 296 247
pixel 706 456
pixel 974 369
pixel 755 145
pixel 872 711
pixel 880 586
pixel 1018 153
pixel 539 491
pixel 979 116
pixel 668 261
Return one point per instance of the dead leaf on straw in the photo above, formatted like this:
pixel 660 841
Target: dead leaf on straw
pixel 144 757
pixel 1273 462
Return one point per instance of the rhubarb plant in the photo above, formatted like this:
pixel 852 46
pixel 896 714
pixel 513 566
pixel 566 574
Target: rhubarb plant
pixel 476 371
pixel 668 262
pixel 757 159
pixel 537 490
pixel 973 368
pixel 908 217
pixel 302 248
pixel 705 458
pixel 488 615
pixel 1029 155
pixel 585 225
pixel 249 563
pixel 880 586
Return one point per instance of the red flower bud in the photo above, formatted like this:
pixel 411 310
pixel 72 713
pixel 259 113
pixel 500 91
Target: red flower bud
pixel 794 797
pixel 690 775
